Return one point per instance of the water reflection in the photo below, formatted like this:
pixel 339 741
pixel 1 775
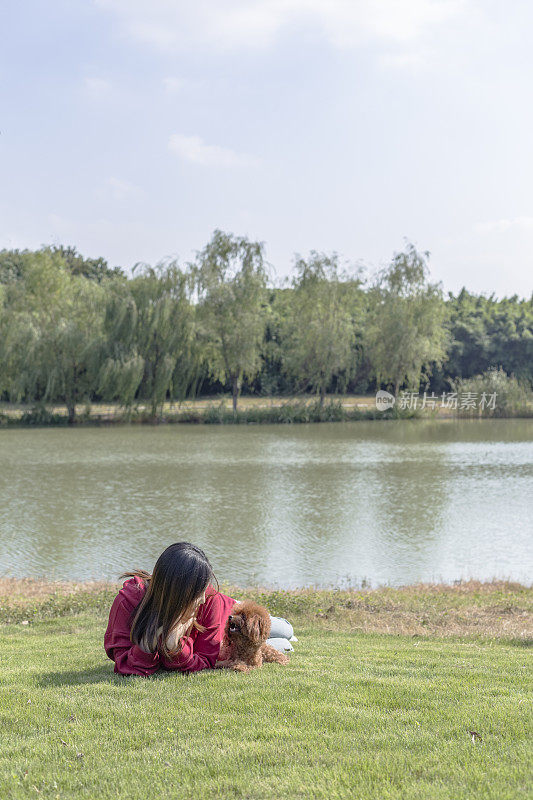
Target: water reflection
pixel 277 505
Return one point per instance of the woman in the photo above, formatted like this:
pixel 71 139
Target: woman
pixel 173 619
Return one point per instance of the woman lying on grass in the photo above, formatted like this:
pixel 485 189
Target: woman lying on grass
pixel 173 619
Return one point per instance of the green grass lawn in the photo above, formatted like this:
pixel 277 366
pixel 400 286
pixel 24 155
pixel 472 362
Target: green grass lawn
pixel 355 715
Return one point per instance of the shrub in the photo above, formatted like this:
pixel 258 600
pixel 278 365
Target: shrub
pixel 513 397
pixel 39 415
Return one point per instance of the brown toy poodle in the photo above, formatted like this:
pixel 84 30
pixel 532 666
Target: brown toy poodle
pixel 244 645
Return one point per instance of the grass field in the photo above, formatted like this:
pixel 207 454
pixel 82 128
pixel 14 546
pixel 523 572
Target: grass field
pixel 358 713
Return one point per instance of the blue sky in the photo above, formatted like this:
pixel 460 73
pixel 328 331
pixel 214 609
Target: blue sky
pixel 132 129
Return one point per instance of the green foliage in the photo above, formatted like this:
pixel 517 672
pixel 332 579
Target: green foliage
pixel 230 280
pixel 73 331
pixel 150 338
pixel 406 331
pixel 15 263
pixel 12 264
pixel 122 366
pixel 163 328
pixel 513 398
pixel 39 415
pixel 289 412
pixel 488 332
pixel 96 269
pixel 318 332
pixel 52 333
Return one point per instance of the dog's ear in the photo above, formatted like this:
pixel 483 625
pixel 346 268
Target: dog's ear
pixel 253 628
pixel 257 627
pixel 265 625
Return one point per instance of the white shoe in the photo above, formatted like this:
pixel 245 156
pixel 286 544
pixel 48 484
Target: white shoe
pixel 280 644
pixel 293 639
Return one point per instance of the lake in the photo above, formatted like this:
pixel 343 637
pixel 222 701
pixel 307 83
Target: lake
pixel 378 502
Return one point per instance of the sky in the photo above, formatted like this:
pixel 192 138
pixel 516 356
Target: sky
pixel 131 129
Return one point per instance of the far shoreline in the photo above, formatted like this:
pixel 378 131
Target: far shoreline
pixel 217 410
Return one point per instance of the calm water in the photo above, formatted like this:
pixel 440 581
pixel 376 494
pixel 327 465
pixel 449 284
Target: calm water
pixel 385 502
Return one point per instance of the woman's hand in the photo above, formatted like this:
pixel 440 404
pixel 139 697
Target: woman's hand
pixel 179 630
pixel 225 651
pixel 223 664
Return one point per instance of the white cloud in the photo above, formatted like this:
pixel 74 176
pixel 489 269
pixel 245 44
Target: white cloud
pixel 195 150
pixel 97 88
pixel 166 24
pixel 503 225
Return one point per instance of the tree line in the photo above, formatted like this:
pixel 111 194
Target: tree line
pixel 74 330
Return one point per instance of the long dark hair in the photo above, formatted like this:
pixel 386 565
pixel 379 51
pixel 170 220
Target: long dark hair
pixel 181 574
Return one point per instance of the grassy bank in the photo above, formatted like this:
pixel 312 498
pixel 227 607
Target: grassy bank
pixel 469 608
pixel 251 410
pixel 379 701
pixel 209 411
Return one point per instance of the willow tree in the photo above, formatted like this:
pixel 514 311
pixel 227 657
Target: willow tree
pixel 4 371
pixel 318 327
pixel 52 338
pixel 150 337
pixel 70 345
pixel 407 323
pixel 122 365
pixel 230 281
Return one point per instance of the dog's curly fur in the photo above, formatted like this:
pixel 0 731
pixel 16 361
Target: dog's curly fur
pixel 244 645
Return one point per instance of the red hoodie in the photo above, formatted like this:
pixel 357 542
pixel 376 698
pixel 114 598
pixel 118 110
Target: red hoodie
pixel 199 651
